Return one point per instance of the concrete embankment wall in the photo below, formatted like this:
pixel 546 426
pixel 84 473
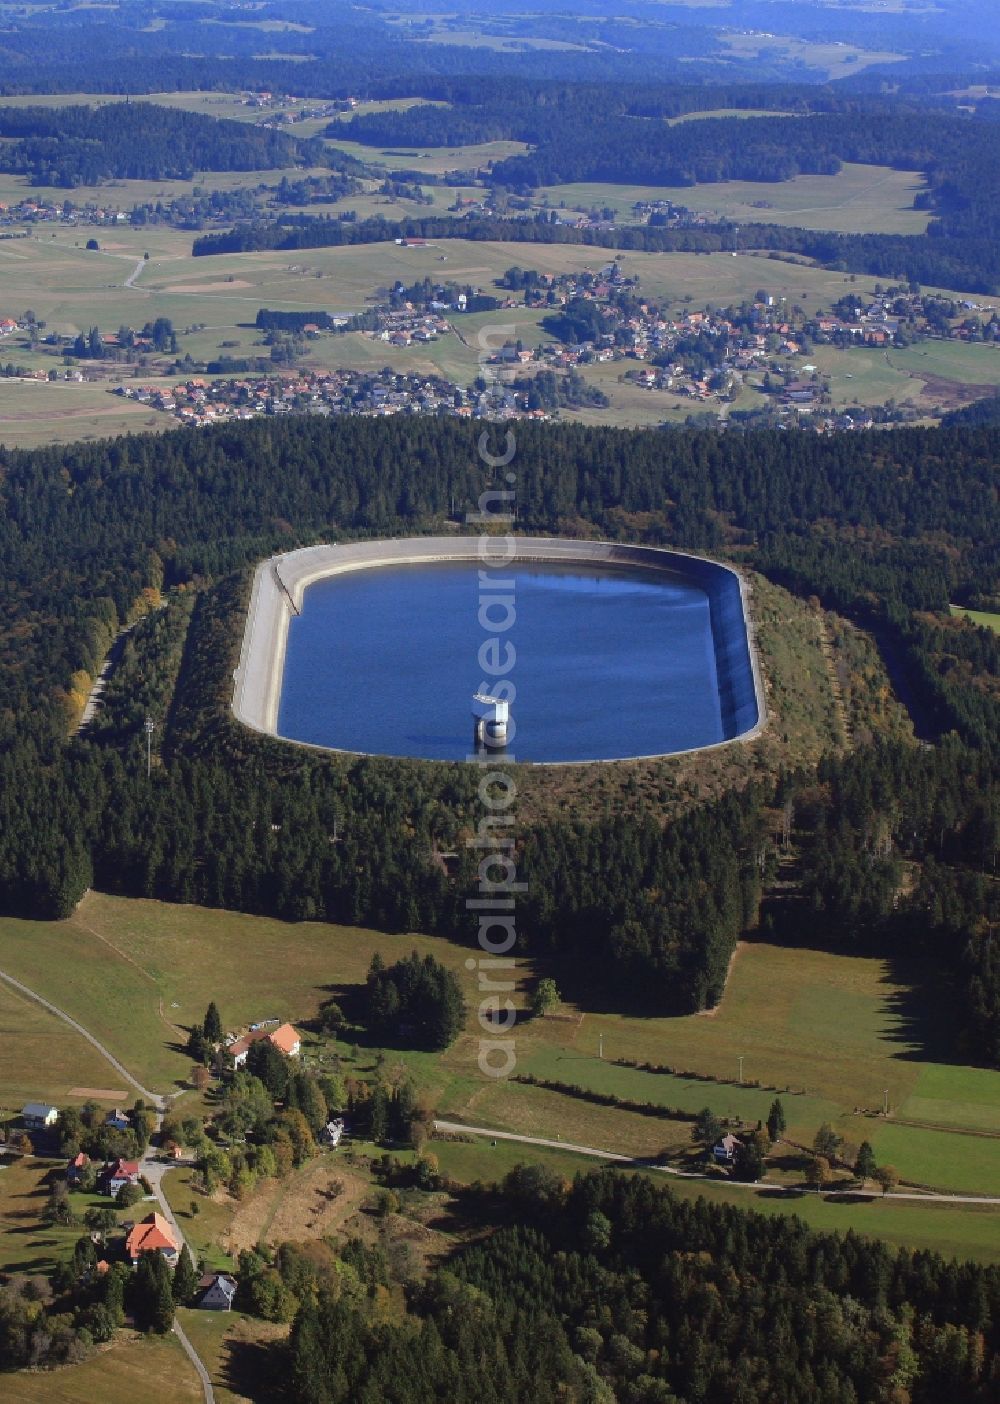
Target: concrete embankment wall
pixel 280 584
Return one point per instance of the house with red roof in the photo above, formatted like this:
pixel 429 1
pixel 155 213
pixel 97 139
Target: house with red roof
pixel 152 1235
pixel 76 1167
pixel 120 1173
pixel 285 1038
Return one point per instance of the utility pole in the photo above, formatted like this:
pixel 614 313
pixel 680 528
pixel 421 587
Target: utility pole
pixel 741 1067
pixel 149 726
pixel 600 1045
pixel 885 1103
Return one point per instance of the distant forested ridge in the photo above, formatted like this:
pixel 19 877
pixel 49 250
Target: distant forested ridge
pixel 70 146
pixel 884 527
pixel 589 134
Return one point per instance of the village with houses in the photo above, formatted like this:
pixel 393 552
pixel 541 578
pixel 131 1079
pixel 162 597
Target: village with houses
pixel 756 362
pixel 705 358
pixel 111 1163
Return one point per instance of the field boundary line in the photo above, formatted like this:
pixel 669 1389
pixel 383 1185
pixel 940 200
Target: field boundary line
pixel 144 1092
pixel 118 952
pixel 639 1163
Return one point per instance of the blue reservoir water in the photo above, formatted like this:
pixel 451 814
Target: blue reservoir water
pixel 608 664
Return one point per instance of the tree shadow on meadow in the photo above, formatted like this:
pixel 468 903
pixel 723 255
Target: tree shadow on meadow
pixel 921 1013
pixel 253 1369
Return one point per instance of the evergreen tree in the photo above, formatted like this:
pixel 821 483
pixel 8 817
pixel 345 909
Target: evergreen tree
pixel 707 1129
pixel 749 1163
pixel 309 1367
pixel 114 1283
pixel 270 1065
pixel 417 1000
pixel 185 1280
pixel 776 1123
pixel 152 1294
pixel 212 1027
pixel 865 1166
pixel 305 1094
pixel 378 1114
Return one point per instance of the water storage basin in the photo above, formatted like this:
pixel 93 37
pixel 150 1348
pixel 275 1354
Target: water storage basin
pixel 618 651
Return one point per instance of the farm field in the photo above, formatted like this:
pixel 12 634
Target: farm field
pixel 435 160
pixel 946 1095
pixel 123 194
pixel 153 1369
pixel 859 199
pixel 969 1164
pixel 467 31
pixel 44 1058
pixel 34 413
pixel 833 59
pixel 114 961
pixel 931 375
pixel 226 1342
pixel 741 112
pixel 208 104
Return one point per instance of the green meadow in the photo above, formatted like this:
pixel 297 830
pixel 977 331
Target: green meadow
pixel 213 302
pixel 981 617
pixel 832 1035
pixel 859 199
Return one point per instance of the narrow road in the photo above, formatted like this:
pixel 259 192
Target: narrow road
pixel 130 280
pixel 152 1097
pixel 153 1169
pixel 108 665
pixel 928 1196
pixel 195 1358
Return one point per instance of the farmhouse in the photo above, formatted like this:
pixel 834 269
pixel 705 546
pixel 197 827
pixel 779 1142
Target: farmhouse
pixel 76 1167
pixel 217 1291
pixel 38 1115
pixel 725 1151
pixel 285 1038
pixel 119 1174
pixel 153 1235
pixel 118 1119
pixel 332 1132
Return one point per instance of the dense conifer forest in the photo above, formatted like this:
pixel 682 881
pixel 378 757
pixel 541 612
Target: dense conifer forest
pixel 885 528
pixel 613 1289
pixel 71 146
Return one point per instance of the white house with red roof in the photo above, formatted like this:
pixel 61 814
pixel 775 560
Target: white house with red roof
pixel 152 1235
pixel 119 1174
pixel 285 1038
